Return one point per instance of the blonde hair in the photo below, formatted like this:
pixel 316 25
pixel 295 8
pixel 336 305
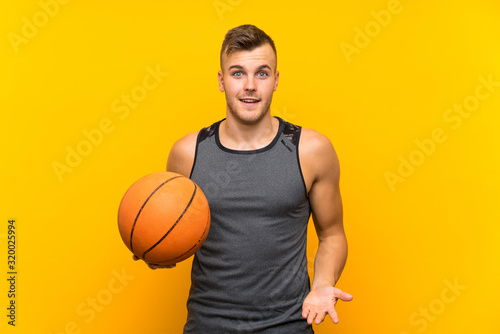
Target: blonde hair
pixel 244 38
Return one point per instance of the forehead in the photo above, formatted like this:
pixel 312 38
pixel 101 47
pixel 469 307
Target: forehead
pixel 262 55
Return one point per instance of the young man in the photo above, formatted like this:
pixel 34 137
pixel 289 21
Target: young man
pixel 263 177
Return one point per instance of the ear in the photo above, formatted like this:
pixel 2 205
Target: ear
pixel 276 79
pixel 220 78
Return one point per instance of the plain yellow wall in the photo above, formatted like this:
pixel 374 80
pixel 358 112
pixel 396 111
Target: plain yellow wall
pixel 407 91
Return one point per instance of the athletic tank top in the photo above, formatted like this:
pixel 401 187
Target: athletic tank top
pixel 250 275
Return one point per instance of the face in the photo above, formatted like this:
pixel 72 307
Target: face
pixel 249 78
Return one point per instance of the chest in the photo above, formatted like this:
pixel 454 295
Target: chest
pixel 261 184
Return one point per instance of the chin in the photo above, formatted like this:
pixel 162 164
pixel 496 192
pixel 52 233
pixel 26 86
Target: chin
pixel 248 117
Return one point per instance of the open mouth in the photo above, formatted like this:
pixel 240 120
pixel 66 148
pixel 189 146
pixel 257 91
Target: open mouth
pixel 250 101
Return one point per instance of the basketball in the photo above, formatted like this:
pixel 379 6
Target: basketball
pixel 164 218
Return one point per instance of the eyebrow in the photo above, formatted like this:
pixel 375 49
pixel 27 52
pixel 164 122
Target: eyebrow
pixel 239 67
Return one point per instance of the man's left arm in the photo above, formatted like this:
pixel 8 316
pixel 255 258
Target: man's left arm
pixel 321 170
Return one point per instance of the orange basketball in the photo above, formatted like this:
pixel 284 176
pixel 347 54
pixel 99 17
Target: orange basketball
pixel 164 218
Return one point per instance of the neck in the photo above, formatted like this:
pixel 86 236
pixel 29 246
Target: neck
pixel 236 135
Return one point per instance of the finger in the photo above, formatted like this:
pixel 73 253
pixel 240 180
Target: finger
pixel 344 296
pixel 333 315
pixel 319 318
pixel 159 266
pixel 135 257
pixel 310 317
pixel 153 266
pixel 305 313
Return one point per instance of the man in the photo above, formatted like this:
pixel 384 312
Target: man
pixel 263 177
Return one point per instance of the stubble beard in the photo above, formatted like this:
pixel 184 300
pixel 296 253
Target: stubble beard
pixel 232 107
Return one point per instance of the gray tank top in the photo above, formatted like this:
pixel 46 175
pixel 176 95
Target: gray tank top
pixel 250 275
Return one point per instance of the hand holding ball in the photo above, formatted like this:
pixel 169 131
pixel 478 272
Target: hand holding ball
pixel 164 218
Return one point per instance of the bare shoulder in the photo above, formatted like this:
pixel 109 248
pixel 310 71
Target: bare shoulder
pixel 181 156
pixel 317 155
pixel 313 143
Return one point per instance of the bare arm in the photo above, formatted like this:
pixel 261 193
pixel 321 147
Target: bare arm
pixel 322 173
pixel 326 204
pixel 181 156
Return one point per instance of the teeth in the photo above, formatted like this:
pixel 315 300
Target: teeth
pixel 249 101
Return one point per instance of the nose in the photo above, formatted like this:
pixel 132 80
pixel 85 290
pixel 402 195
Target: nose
pixel 250 84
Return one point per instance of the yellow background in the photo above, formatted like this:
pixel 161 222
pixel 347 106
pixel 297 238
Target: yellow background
pixel 408 241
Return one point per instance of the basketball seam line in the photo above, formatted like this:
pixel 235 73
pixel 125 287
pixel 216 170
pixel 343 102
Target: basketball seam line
pixel 173 226
pixel 196 244
pixel 142 207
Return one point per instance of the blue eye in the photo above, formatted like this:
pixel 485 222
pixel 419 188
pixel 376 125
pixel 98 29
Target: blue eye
pixel 237 74
pixel 262 74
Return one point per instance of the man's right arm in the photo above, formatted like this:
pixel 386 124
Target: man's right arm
pixel 180 160
pixel 181 156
